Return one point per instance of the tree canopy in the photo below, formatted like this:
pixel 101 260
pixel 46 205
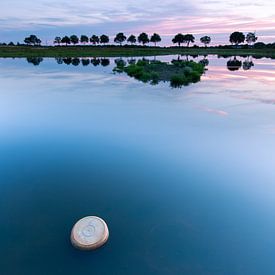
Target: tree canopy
pixel 251 38
pixel 84 39
pixel 120 38
pixel 104 39
pixel 66 40
pixel 57 40
pixel 143 38
pixel 189 38
pixel 205 40
pixel 32 40
pixel 94 39
pixel 236 38
pixel 155 38
pixel 132 39
pixel 178 39
pixel 74 39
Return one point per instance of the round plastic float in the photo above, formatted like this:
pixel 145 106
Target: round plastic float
pixel 89 233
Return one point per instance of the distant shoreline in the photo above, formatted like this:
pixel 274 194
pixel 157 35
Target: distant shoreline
pixel 127 51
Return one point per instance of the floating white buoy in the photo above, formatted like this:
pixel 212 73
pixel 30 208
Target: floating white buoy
pixel 89 233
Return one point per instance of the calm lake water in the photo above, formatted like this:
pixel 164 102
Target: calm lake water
pixel 185 178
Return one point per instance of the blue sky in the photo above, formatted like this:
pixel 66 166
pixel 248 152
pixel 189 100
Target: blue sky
pixel 48 18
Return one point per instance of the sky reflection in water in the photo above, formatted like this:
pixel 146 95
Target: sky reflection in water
pixel 197 161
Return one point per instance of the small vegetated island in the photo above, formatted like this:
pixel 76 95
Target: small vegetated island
pixel 179 72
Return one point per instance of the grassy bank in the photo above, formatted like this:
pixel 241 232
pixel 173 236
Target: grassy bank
pixel 91 51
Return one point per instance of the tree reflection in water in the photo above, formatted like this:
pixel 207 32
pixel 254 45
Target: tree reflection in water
pixel 35 60
pixel 85 61
pixel 233 64
pixel 204 61
pixel 105 62
pixel 248 64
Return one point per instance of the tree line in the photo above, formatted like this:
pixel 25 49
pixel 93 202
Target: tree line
pixel 235 38
pixel 120 38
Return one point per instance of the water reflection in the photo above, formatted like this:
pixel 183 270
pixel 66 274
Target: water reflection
pixel 85 61
pixel 199 164
pixel 248 64
pixel 233 64
pixel 131 61
pixel 204 61
pixel 105 62
pixel 76 61
pixel 34 60
pixel 120 62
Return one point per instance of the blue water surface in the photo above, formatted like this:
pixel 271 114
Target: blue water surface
pixel 185 178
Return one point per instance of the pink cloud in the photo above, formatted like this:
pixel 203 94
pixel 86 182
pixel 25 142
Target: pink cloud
pixel 214 111
pixel 212 26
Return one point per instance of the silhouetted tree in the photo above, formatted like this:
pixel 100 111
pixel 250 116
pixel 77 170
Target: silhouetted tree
pixel 38 41
pixel 251 38
pixel 132 39
pixel 236 38
pixel 66 40
pixel 57 40
pixel 178 39
pixel 189 38
pixel 84 39
pixel 155 38
pixel 143 38
pixel 74 39
pixel 205 40
pixel 120 38
pixel 94 39
pixel 104 39
pixel 32 40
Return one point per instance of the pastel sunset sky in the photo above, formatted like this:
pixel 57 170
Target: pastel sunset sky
pixel 49 18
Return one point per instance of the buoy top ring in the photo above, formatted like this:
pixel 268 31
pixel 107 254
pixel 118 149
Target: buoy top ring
pixel 89 233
